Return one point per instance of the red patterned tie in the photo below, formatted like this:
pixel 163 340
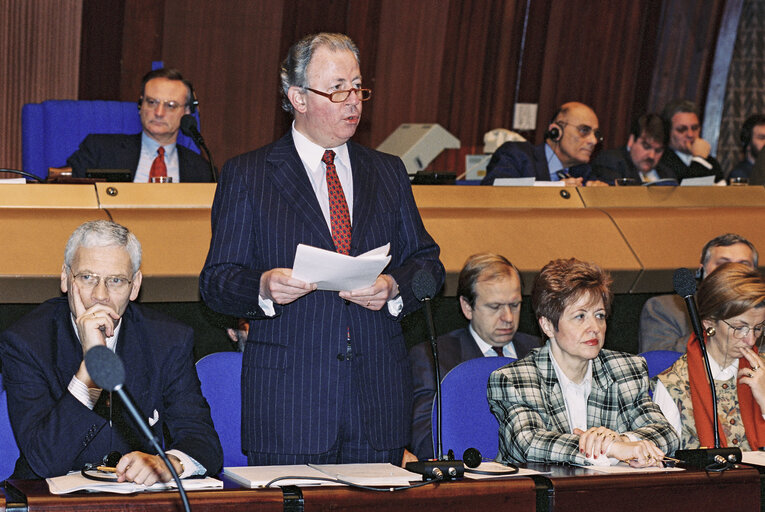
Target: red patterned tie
pixel 158 167
pixel 339 218
pixel 500 351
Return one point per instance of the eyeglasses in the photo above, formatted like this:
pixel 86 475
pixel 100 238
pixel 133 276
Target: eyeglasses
pixel 89 281
pixel 584 130
pixel 742 332
pixel 341 96
pixel 152 104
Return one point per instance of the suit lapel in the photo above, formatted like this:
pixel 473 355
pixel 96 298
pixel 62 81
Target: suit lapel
pixel 289 176
pixel 68 349
pixel 552 392
pixel 468 346
pixel 601 380
pixel 131 148
pixel 541 169
pixel 364 193
pixel 132 353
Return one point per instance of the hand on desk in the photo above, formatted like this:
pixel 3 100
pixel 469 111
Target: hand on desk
pixel 142 468
pixel 598 441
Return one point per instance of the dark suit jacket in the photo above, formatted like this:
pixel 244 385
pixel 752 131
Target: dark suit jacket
pixel 453 348
pixel 56 433
pixel 522 160
pixel 296 365
pixel 119 151
pixel 616 163
pixel 670 163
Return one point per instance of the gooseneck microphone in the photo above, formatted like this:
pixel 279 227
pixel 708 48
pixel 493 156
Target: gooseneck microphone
pixel 189 129
pixel 108 372
pixel 424 288
pixel 684 283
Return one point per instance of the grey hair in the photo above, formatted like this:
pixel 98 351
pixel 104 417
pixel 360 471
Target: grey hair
pixel 293 69
pixel 103 233
pixel 727 240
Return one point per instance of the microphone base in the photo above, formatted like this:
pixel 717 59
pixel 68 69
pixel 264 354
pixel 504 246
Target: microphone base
pixel 703 457
pixel 445 470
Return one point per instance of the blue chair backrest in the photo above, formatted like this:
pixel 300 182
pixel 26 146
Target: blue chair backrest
pixel 7 440
pixel 220 375
pixel 467 421
pixel 52 130
pixel 659 360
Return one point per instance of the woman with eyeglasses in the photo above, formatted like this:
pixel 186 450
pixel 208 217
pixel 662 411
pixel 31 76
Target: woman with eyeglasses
pixel 731 303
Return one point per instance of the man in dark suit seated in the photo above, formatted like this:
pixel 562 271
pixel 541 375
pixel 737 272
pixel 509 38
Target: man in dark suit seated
pixel 489 292
pixel 637 160
pixel 688 154
pixel 61 419
pixel 752 141
pixel 165 97
pixel 570 138
pixel 325 377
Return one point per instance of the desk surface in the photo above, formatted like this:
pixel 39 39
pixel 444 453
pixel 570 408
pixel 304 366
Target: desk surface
pixel 560 489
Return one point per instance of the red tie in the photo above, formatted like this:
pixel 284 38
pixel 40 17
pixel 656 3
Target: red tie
pixel 500 351
pixel 158 167
pixel 339 218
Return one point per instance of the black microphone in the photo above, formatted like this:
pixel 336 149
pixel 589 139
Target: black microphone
pixel 27 175
pixel 189 129
pixel 473 459
pixel 442 468
pixel 684 283
pixel 108 372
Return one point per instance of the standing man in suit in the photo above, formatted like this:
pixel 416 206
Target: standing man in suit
pixel 489 291
pixel 61 419
pixel 638 159
pixel 165 97
pixel 664 320
pixel 325 377
pixel 570 139
pixel 688 155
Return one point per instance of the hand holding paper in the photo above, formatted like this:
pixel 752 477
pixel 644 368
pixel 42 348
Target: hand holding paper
pixel 279 286
pixel 333 271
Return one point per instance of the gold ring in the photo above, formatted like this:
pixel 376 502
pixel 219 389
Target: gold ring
pixel 369 302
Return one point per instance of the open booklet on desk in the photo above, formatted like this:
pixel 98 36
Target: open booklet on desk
pixel 381 474
pixel 74 481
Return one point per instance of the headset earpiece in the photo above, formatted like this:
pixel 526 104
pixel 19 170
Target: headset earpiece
pixel 553 134
pixel 140 102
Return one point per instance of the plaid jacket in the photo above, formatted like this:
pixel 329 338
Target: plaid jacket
pixel 527 400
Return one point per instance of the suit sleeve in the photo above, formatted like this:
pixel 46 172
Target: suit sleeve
pixel 516 400
pixel 86 157
pixel 187 414
pixel 424 386
pixel 660 327
pixel 51 427
pixel 507 163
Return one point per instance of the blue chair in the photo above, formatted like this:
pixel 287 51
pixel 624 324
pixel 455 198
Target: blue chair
pixel 52 130
pixel 466 420
pixel 7 439
pixel 220 375
pixel 659 360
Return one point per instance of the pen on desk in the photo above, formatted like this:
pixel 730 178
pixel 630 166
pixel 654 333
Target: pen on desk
pixel 106 469
pixel 562 175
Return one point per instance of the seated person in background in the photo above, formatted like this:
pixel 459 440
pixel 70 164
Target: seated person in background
pixel 636 161
pixel 165 97
pixel 570 138
pixel 731 304
pixel 664 320
pixel 752 141
pixel 489 291
pixel 688 154
pixel 60 418
pixel 571 400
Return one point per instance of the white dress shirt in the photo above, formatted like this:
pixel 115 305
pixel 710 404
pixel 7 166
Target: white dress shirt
pixel 487 350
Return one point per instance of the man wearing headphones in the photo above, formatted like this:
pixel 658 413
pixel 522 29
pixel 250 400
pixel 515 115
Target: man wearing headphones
pixel 752 142
pixel 165 98
pixel 570 139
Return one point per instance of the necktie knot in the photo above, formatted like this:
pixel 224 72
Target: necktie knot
pixel 329 157
pixel 161 152
pixel 499 351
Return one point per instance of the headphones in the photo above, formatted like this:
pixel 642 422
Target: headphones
pixel 192 105
pixel 554 134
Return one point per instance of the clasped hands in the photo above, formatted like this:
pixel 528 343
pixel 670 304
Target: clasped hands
pixel 602 441
pixel 279 286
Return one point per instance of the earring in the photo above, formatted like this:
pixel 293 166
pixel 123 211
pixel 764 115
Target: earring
pixel 711 331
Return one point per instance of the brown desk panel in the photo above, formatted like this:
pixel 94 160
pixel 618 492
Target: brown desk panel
pixel 670 197
pixel 664 239
pixel 451 196
pixel 577 489
pixel 530 238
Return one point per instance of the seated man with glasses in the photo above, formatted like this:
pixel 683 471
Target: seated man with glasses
pixel 62 421
pixel 570 138
pixel 688 154
pixel 165 98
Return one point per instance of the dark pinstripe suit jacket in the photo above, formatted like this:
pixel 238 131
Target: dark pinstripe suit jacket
pixel 527 400
pixel 293 376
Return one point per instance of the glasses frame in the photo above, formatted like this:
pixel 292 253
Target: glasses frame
pixel 360 91
pixel 745 330
pixel 584 130
pixel 99 279
pixel 170 105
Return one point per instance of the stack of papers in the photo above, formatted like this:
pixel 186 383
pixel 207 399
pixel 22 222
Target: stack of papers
pixel 335 272
pixel 360 474
pixel 74 481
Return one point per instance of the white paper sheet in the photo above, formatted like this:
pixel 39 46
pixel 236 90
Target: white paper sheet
pixel 361 474
pixel 514 182
pixel 495 467
pixel 335 272
pixel 369 474
pixel 74 481
pixel 259 476
pixel 757 458
pixel 622 468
